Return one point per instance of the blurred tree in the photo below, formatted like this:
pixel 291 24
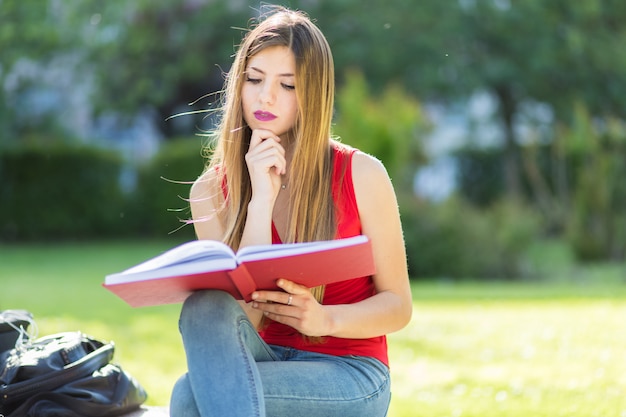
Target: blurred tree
pixel 533 51
pixel 162 53
pixel 597 215
pixel 166 53
pixel 553 52
pixel 388 126
pixel 392 41
pixel 28 34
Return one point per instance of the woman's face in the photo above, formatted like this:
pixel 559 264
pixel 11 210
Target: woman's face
pixel 268 94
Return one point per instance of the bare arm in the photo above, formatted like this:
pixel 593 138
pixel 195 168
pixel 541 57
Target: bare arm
pixel 391 308
pixel 204 201
pixel 387 311
pixel 266 163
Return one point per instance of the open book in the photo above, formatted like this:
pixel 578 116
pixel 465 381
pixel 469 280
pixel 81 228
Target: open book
pixel 204 264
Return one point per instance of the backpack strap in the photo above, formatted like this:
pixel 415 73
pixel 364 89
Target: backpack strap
pixel 10 393
pixel 127 396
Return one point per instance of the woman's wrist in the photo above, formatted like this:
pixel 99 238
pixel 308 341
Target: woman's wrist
pixel 257 230
pixel 330 322
pixel 260 208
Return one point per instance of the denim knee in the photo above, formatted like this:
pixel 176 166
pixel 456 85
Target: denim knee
pixel 216 306
pixel 182 403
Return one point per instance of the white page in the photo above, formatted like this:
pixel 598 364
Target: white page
pixel 258 252
pixel 188 258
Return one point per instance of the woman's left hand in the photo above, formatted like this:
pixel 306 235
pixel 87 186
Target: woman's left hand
pixel 295 306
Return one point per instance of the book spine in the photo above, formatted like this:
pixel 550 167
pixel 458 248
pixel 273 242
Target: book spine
pixel 243 281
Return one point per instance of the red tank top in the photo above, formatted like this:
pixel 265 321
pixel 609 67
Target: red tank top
pixel 346 292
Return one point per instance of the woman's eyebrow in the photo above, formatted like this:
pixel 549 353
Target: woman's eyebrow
pixel 263 72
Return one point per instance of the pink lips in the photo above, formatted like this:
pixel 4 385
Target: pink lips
pixel 264 116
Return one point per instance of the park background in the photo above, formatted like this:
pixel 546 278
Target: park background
pixel 501 123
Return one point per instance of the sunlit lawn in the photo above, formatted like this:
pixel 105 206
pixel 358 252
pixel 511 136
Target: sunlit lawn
pixel 495 349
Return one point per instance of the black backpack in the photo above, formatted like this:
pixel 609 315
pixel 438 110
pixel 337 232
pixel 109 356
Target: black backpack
pixel 65 375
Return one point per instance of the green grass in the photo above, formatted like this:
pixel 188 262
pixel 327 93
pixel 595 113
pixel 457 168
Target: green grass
pixel 552 349
pixel 512 358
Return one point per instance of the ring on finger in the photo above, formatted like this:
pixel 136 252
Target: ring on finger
pixel 289 300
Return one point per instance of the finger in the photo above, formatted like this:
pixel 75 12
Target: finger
pixel 259 168
pixel 270 154
pixel 267 158
pixel 278 297
pixel 291 287
pixel 261 135
pixel 288 320
pixel 269 145
pixel 276 309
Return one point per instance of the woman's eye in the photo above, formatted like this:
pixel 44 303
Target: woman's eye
pixel 289 87
pixel 253 80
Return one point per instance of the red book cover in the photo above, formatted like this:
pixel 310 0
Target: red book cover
pixel 171 277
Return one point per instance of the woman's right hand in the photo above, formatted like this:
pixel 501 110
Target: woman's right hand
pixel 266 164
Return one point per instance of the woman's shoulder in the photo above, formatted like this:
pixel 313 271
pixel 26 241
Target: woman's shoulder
pixel 361 162
pixel 363 167
pixel 348 152
pixel 372 185
pixel 368 167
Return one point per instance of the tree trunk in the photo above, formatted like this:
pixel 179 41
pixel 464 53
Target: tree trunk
pixel 511 165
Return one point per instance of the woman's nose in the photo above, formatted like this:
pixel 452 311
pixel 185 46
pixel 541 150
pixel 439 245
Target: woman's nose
pixel 267 94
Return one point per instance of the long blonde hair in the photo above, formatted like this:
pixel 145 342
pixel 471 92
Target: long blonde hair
pixel 311 207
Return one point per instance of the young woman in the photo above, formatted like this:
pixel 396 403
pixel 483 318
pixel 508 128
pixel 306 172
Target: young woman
pixel 277 176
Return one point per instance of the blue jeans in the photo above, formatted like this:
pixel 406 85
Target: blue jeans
pixel 233 372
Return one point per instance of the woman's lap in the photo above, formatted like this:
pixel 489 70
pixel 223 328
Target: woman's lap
pixel 293 382
pixel 311 384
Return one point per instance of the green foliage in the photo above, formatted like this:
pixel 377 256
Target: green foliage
pixel 59 192
pixel 597 225
pixel 576 184
pixel 553 52
pixel 397 41
pixel 28 33
pixel 528 51
pixel 165 53
pixel 455 240
pixel 479 174
pixel 160 204
pixel 389 127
